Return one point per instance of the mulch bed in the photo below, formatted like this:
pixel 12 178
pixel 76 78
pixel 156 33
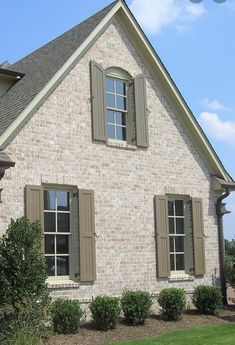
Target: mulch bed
pixel 154 326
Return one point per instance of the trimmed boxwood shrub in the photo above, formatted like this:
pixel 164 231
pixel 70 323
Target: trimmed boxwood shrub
pixel 172 302
pixel 66 316
pixel 207 299
pixel 105 312
pixel 136 306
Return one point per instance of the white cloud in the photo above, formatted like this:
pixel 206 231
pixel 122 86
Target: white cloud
pixel 217 128
pixel 212 105
pixel 153 15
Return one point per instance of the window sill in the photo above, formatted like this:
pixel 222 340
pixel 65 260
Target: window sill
pixel 63 284
pixel 180 278
pixel 121 144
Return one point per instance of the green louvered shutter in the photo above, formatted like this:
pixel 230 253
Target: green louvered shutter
pixel 98 102
pixel 198 237
pixel 34 203
pixel 131 123
pixel 34 208
pixel 162 236
pixel 87 235
pixel 140 112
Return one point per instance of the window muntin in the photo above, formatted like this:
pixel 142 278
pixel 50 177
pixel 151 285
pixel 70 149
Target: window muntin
pixel 116 107
pixel 176 219
pixel 57 232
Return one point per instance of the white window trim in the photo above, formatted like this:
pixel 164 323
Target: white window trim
pixel 63 278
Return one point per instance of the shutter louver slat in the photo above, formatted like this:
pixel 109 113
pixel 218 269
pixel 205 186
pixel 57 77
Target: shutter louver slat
pixel 98 102
pixel 162 236
pixel 87 236
pixel 198 237
pixel 140 112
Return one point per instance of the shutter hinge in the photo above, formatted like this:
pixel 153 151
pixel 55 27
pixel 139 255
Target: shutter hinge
pixel 75 194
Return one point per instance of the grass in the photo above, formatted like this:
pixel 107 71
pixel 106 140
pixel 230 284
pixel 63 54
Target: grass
pixel 21 336
pixel 212 335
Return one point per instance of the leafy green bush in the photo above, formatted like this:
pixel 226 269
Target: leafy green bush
pixel 22 265
pixel 27 326
pixel 24 295
pixel 207 299
pixel 22 336
pixel 172 302
pixel 66 316
pixel 105 312
pixel 136 306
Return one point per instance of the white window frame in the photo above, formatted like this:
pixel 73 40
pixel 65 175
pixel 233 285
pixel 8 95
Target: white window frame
pixel 70 234
pixel 117 74
pixel 174 217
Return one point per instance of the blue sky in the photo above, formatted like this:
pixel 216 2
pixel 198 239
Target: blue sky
pixel 194 40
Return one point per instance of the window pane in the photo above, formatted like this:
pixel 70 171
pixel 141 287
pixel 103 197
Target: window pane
pixel 111 132
pixel 62 244
pixel 49 244
pixel 179 262
pixel 171 226
pixel 172 259
pixel 49 222
pixel 179 207
pixel 63 222
pixel 62 265
pixel 171 208
pixel 121 133
pixel 180 225
pixel 49 200
pixel 179 244
pixel 120 118
pixel 50 264
pixel 109 85
pixel 121 102
pixel 172 244
pixel 63 201
pixel 110 101
pixel 120 87
pixel 110 116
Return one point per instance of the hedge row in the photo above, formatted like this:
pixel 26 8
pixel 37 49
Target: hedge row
pixel 135 305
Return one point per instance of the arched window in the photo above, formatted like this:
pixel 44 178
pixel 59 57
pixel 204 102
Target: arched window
pixel 117 84
pixel 118 106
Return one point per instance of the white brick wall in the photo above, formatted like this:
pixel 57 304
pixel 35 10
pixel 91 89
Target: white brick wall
pixel 56 147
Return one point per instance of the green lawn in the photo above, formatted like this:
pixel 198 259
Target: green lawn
pixel 213 335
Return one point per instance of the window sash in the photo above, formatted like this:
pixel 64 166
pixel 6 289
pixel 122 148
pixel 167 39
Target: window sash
pixel 57 233
pixel 176 235
pixel 115 108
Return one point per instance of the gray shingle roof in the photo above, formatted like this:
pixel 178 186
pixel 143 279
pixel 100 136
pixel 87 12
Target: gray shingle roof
pixel 40 66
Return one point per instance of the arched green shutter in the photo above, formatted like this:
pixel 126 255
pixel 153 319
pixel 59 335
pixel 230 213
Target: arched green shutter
pixel 98 102
pixel 162 236
pixel 140 112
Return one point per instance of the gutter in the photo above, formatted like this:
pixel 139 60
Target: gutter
pixel 221 211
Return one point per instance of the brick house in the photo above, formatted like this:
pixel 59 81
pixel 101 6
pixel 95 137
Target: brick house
pixel 104 151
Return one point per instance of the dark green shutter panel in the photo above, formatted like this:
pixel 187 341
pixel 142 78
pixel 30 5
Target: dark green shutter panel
pixel 140 112
pixel 87 235
pixel 34 203
pixel 198 237
pixel 131 124
pixel 98 102
pixel 162 236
